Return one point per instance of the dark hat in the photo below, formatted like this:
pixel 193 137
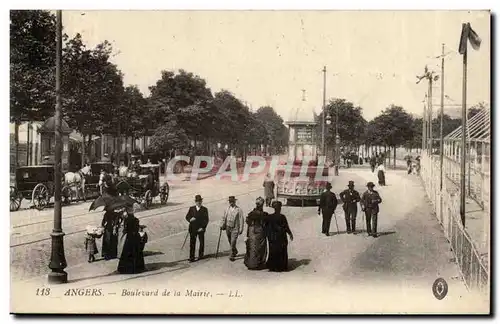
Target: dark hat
pixel 370 184
pixel 328 185
pixel 276 204
pixel 259 201
pixel 232 198
pixel 351 184
pixel 198 198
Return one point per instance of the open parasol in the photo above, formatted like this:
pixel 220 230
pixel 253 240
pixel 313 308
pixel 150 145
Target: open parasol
pixel 112 202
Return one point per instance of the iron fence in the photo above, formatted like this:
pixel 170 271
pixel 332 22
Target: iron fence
pixel 446 203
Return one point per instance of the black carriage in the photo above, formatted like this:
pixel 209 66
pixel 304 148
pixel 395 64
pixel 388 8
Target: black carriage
pixel 137 186
pixel 92 181
pixel 36 183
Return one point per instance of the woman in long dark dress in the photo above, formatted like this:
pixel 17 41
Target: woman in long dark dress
pixel 381 174
pixel 110 237
pixel 256 242
pixel 131 256
pixel 277 230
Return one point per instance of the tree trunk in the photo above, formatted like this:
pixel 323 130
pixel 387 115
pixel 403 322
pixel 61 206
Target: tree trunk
pixel 83 150
pixel 16 141
pixel 119 146
pixel 394 156
pixel 28 144
pixel 89 148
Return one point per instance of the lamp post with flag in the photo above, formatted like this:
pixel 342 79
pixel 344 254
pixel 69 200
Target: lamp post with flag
pixel 468 34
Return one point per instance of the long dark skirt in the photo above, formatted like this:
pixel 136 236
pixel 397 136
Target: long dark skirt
pixel 278 255
pixel 381 178
pixel 109 244
pixel 131 258
pixel 255 257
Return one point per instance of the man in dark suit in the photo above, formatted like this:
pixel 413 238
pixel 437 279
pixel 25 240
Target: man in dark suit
pixel 369 204
pixel 327 205
pixel 197 217
pixel 350 199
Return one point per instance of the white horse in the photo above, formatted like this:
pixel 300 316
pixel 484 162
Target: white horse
pixel 76 181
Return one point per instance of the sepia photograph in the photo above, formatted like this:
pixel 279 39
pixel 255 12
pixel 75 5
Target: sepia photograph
pixel 250 162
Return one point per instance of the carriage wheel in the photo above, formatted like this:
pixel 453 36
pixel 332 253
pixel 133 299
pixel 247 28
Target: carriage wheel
pixel 164 192
pixel 15 199
pixel 40 196
pixel 148 199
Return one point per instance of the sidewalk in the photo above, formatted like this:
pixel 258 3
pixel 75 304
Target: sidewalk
pixel 341 273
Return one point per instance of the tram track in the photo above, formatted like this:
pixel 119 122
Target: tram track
pixel 87 213
pixel 138 215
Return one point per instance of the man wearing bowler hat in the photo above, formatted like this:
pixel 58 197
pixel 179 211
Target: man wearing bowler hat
pixel 232 222
pixel 369 204
pixel 350 199
pixel 197 217
pixel 327 205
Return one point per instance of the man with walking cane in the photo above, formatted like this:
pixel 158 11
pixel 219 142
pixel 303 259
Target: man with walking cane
pixel 232 222
pixel 350 199
pixel 197 216
pixel 369 204
pixel 327 205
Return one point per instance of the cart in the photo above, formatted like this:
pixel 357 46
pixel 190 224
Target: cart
pixel 37 184
pixel 137 187
pixel 92 181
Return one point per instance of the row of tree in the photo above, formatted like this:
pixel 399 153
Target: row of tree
pixel 180 106
pixel 392 128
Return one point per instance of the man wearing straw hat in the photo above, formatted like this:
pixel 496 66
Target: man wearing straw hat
pixel 232 222
pixel 369 204
pixel 197 216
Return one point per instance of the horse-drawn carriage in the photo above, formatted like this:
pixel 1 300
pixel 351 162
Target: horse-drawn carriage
pixel 92 181
pixel 144 184
pixel 36 183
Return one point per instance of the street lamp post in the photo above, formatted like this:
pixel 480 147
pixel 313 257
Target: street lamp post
pixel 337 142
pixel 328 122
pixel 57 258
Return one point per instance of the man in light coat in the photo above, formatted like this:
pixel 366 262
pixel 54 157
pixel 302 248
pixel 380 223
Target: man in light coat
pixel 232 222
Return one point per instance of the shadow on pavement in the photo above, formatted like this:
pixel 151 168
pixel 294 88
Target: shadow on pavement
pixel 219 255
pixel 160 265
pixel 294 263
pixel 298 203
pixel 337 233
pixel 151 270
pixel 150 253
pixel 386 233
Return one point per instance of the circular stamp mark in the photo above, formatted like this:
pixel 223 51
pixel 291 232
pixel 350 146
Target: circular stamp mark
pixel 440 288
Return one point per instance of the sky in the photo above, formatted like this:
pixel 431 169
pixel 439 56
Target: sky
pixel 268 57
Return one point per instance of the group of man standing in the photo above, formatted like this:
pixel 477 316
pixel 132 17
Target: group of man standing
pixel 350 197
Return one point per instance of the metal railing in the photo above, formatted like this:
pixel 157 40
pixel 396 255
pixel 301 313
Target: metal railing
pixel 473 268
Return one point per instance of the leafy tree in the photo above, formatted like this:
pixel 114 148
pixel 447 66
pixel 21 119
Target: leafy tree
pixel 135 107
pixel 236 116
pixel 351 124
pixel 92 90
pixel 188 98
pixel 394 127
pixel 167 137
pixel 472 111
pixel 32 66
pixel 277 132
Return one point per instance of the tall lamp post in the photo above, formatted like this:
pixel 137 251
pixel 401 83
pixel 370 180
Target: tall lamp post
pixel 328 122
pixel 337 142
pixel 57 258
